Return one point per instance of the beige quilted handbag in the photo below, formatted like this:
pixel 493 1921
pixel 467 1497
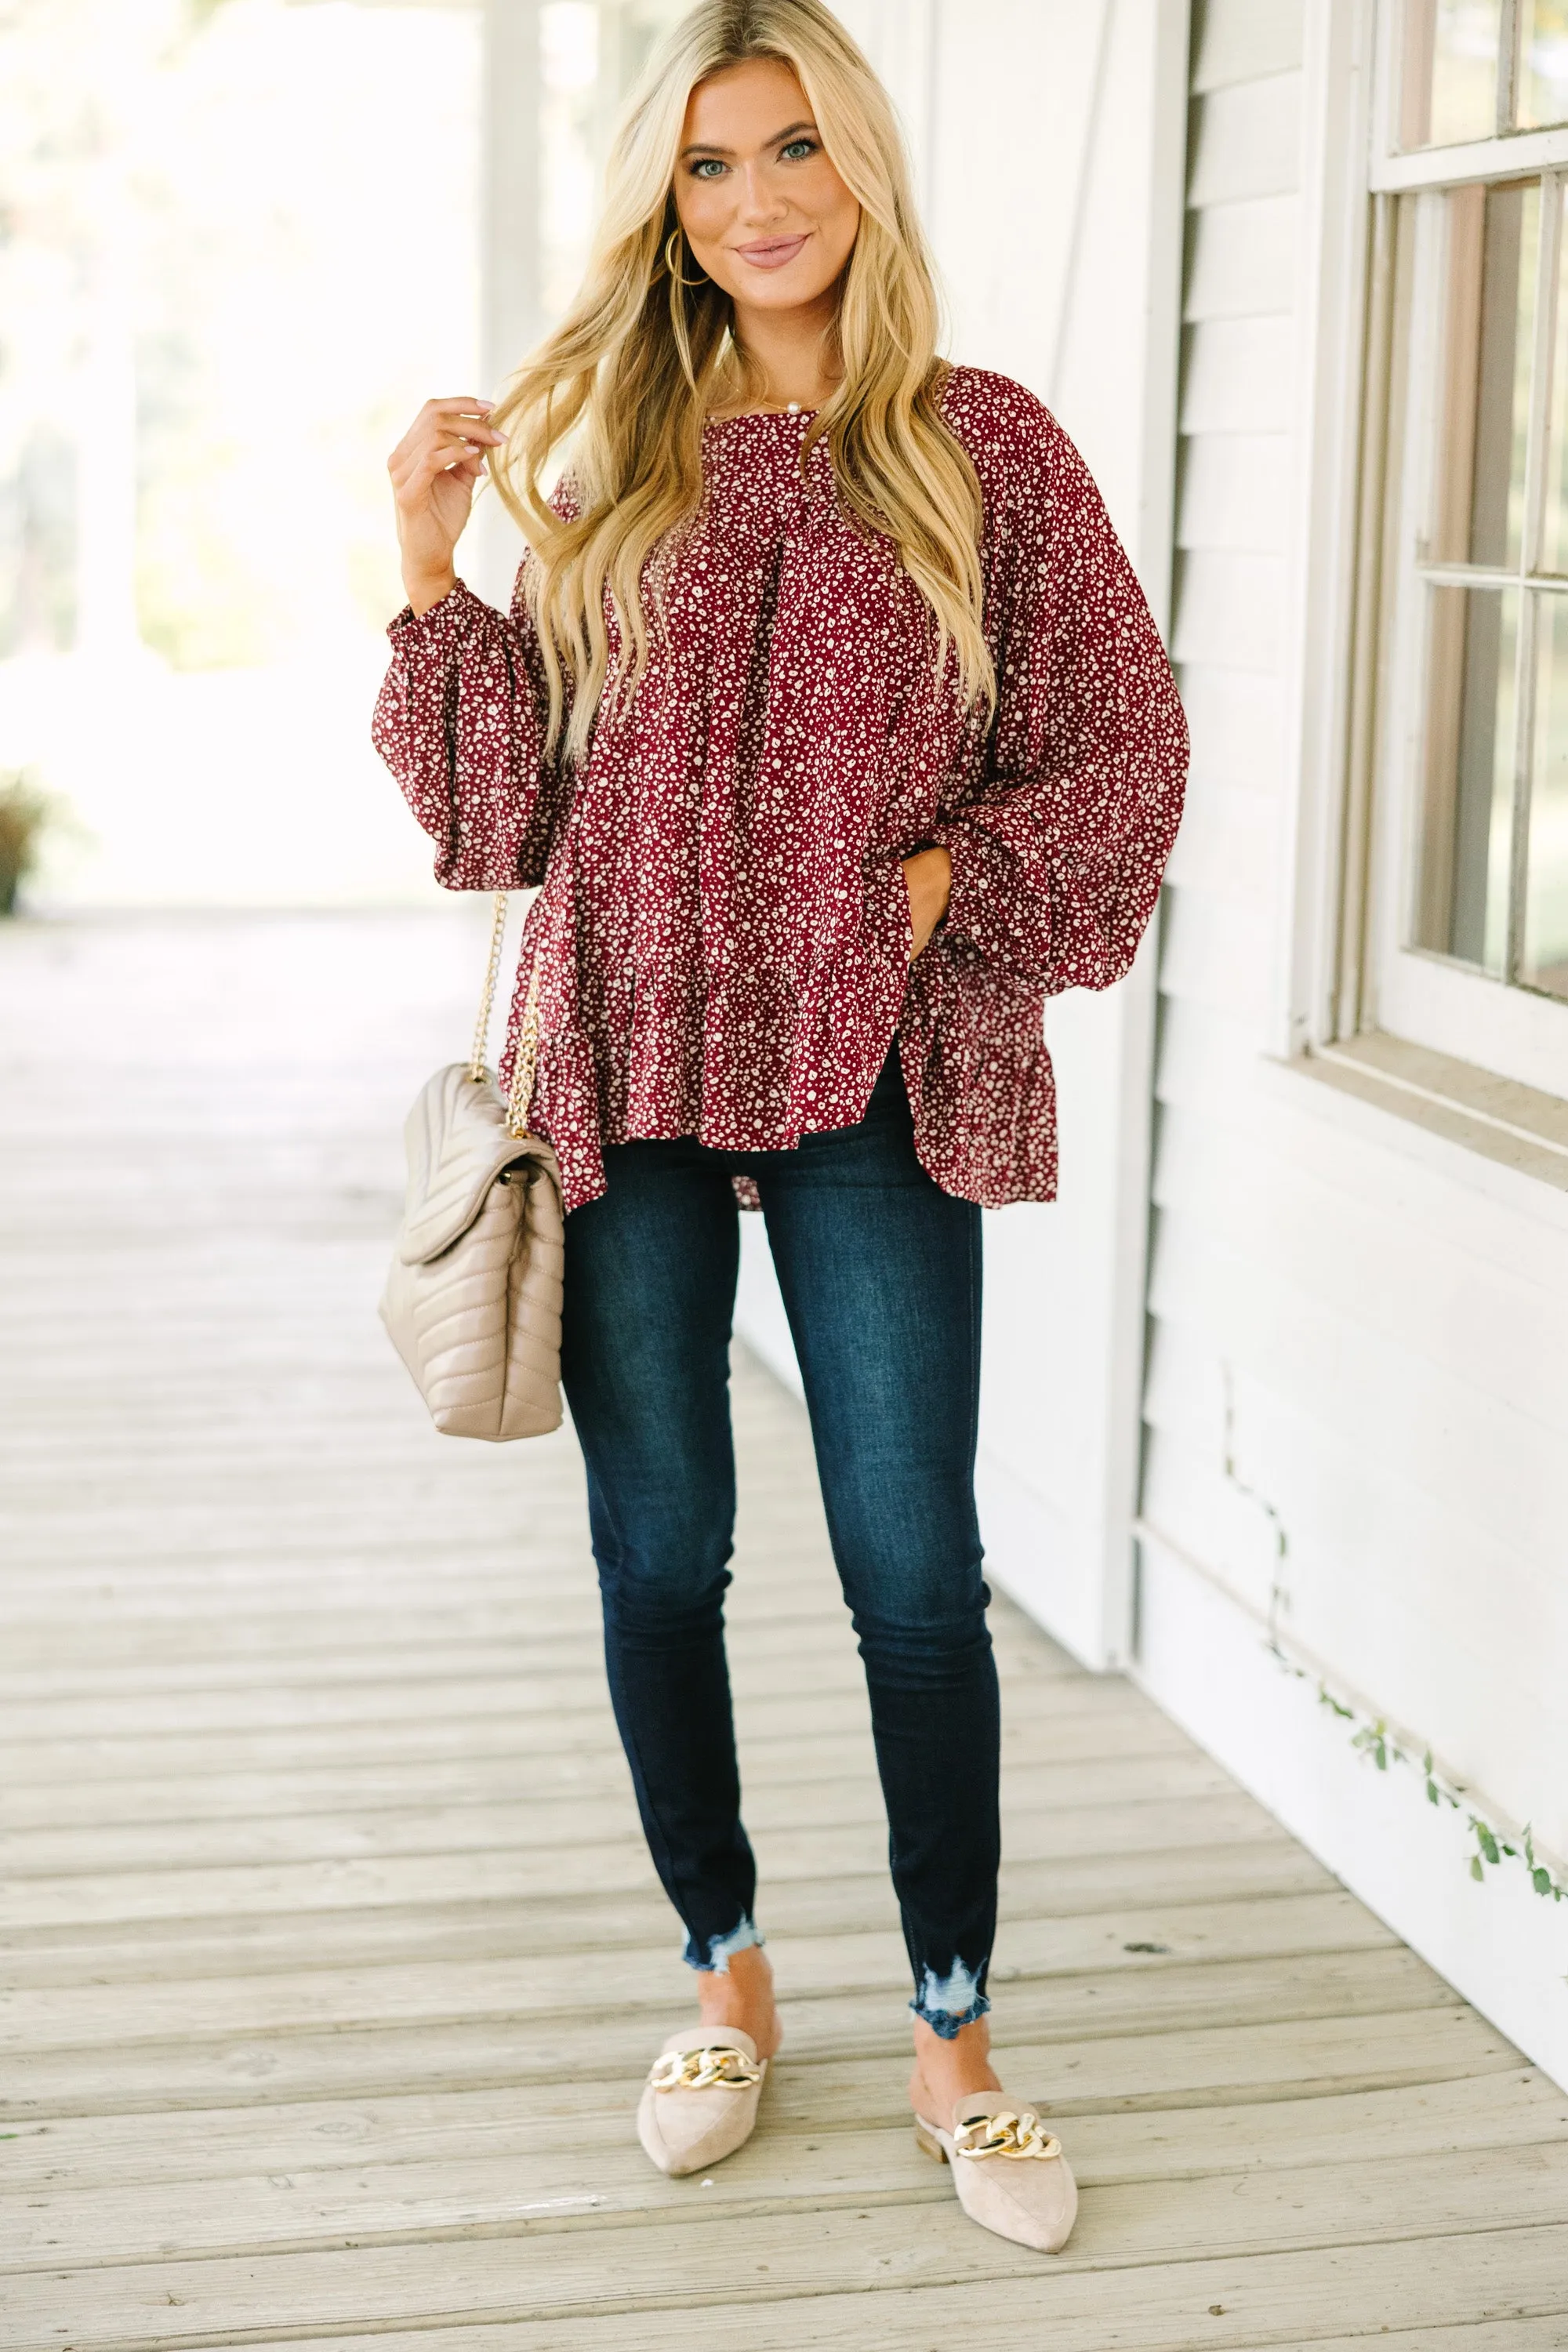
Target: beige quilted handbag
pixel 473 1299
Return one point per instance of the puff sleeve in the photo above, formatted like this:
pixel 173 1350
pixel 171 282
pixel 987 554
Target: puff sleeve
pixel 460 722
pixel 1059 844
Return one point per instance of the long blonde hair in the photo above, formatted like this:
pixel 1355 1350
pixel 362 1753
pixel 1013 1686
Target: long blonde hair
pixel 633 370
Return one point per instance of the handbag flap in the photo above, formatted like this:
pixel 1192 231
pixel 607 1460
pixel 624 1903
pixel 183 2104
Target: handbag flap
pixel 458 1146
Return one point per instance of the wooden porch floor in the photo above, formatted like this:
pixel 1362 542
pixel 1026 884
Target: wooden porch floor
pixel 332 1961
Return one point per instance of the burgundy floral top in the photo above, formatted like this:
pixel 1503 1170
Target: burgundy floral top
pixel 723 926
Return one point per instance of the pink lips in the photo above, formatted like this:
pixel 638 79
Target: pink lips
pixel 771 253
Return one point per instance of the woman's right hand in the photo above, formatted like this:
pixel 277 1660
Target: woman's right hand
pixel 434 471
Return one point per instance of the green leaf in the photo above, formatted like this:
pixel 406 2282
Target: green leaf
pixel 1476 1870
pixel 1432 1796
pixel 1541 1879
pixel 1487 1842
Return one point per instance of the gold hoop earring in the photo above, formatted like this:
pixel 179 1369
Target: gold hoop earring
pixel 669 263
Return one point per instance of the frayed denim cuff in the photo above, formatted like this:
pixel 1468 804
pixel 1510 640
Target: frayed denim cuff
pixel 947 2004
pixel 722 1948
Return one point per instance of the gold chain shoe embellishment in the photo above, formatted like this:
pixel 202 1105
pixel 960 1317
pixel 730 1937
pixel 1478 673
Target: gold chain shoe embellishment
pixel 1005 2135
pixel 704 2070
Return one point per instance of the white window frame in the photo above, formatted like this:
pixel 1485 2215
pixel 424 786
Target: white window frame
pixel 1427 998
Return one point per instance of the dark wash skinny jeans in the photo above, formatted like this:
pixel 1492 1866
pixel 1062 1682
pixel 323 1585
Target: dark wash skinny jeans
pixel 880 1276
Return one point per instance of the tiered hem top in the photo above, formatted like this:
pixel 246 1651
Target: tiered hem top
pixel 723 931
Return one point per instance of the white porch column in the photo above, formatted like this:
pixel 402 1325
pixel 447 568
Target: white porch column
pixel 509 317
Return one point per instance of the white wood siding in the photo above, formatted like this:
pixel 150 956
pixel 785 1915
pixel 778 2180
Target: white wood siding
pixel 1383 1336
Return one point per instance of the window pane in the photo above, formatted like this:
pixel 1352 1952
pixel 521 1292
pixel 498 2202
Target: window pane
pixel 1554 528
pixel 1493 238
pixel 1462 905
pixel 1450 90
pixel 1543 57
pixel 1545 959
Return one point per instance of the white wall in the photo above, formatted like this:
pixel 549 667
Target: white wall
pixel 1378 1315
pixel 1048 140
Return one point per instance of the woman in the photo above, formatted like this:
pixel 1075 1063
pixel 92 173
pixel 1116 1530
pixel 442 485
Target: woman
pixel 831 719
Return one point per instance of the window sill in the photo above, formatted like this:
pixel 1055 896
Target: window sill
pixel 1476 1123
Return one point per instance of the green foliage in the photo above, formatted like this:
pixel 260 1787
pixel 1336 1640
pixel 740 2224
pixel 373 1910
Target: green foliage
pixel 1369 1738
pixel 24 813
pixel 1373 1740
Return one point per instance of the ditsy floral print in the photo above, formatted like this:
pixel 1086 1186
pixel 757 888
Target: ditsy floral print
pixel 724 929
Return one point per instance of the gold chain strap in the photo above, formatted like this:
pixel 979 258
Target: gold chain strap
pixel 1011 2135
pixel 476 1065
pixel 704 2070
pixel 527 1063
pixel 527 1060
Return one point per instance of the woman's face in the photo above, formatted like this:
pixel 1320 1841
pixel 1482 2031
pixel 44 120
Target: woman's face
pixel 765 214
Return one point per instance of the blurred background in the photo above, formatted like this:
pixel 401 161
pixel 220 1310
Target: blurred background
pixel 240 241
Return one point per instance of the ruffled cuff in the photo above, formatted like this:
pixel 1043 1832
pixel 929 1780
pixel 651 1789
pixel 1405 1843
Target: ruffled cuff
pixel 441 625
pixel 991 904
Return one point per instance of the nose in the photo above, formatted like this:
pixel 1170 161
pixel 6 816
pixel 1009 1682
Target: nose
pixel 761 202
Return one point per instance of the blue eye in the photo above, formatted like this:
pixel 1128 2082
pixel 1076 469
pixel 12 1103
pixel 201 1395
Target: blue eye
pixel 706 167
pixel 798 150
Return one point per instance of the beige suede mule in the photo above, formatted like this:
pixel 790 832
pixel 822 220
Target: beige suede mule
pixel 1009 2171
pixel 700 2102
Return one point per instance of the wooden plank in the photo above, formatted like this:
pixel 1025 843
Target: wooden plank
pixel 797 1719
pixel 523 1818
pixel 496 1929
pixel 1241 376
pixel 147 1624
pixel 351 1786
pixel 438 2055
pixel 1397 2292
pixel 1210 947
pixel 1245 141
pixel 1310 2067
pixel 1308 2078
pixel 1241 259
pixel 1237 720
pixel 1242 40
pixel 536 2273
pixel 1235 494
pixel 800 1643
pixel 1226 845
pixel 349 1883
pixel 1229 610
pixel 837 1669
pixel 1484 2335
pixel 571 2161
pixel 1138 1940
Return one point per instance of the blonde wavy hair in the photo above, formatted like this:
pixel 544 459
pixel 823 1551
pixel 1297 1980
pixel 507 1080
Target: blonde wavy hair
pixel 629 377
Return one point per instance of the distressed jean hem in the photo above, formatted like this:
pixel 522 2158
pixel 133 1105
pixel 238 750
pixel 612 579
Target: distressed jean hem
pixel 746 1937
pixel 947 2004
pixel 943 2023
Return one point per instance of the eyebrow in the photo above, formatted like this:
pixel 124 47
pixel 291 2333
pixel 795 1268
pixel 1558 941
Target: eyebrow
pixel 710 147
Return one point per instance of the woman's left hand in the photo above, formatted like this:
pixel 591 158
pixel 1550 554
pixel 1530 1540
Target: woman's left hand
pixel 927 878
